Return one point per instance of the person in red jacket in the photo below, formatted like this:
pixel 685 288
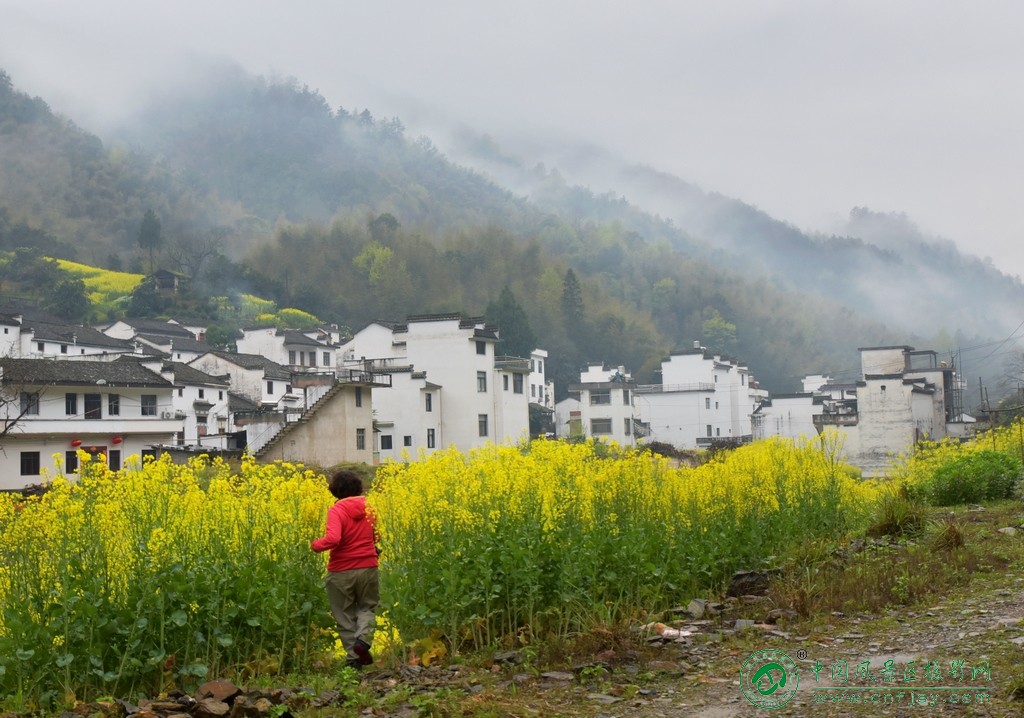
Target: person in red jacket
pixel 352 582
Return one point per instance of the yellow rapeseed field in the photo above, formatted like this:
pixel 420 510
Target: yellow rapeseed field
pixel 543 539
pixel 163 575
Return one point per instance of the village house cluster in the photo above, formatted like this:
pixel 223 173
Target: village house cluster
pixel 133 388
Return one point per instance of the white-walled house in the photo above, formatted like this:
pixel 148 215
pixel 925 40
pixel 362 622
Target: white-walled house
pixel 793 416
pixel 56 408
pixel 905 396
pixel 130 328
pixel 30 334
pixel 542 391
pixel 448 386
pixel 200 401
pixel 789 416
pixel 292 348
pixel 703 398
pixel 177 348
pixel 265 383
pixel 338 427
pixel 261 380
pixel 600 406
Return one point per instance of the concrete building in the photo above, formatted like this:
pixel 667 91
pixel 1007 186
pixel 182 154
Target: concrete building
pixel 703 398
pixel 337 428
pixel 200 402
pixel 904 396
pixel 52 409
pixel 29 334
pixel 600 406
pixel 293 348
pixel 449 386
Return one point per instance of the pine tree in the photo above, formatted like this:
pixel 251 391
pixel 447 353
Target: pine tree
pixel 517 337
pixel 149 235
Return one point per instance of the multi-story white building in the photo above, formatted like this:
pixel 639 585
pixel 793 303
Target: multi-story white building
pixel 176 348
pixel 259 379
pixel 601 406
pixel 295 349
pixel 52 409
pixel 199 401
pixel 904 396
pixel 337 427
pixel 542 391
pixel 790 416
pixel 703 398
pixel 130 328
pixel 448 387
pixel 794 416
pixel 31 334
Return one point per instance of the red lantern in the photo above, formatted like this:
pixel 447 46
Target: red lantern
pixel 76 443
pixel 116 440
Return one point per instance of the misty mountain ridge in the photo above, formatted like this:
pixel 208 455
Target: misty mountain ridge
pixel 291 187
pixel 880 263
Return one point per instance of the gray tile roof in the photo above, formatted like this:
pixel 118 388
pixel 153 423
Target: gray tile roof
pixel 52 372
pixel 238 402
pixel 158 326
pixel 185 344
pixel 50 328
pixel 72 334
pixel 186 374
pixel 255 361
pixel 292 336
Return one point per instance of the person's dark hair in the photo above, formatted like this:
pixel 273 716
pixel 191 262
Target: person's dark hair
pixel 346 483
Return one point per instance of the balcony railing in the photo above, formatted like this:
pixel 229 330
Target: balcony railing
pixel 673 388
pixel 512 363
pixel 354 376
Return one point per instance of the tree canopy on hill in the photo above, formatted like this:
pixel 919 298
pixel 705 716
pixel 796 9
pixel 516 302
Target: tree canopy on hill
pixel 262 187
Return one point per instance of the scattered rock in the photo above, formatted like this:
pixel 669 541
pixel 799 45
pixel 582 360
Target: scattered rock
pixel 211 708
pixel 777 614
pixel 696 607
pixel 325 698
pixel 1008 530
pixel 247 707
pixel 218 690
pixel 663 666
pixel 557 676
pixel 749 598
pixel 743 623
pixel 510 657
pixel 408 672
pixel 750 582
pixel 165 706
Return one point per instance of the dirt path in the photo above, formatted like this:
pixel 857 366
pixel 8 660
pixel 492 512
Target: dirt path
pixel 981 626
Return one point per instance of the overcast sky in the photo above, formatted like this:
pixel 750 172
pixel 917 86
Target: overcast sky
pixel 804 109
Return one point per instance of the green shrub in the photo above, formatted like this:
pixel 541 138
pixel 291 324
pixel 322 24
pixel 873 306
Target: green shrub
pixel 979 476
pixel 897 515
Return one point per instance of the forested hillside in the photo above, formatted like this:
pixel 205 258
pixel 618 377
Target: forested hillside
pixel 882 264
pixel 263 187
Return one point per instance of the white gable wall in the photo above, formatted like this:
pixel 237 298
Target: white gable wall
pixel 448 356
pixel 402 415
pixel 790 417
pixel 265 342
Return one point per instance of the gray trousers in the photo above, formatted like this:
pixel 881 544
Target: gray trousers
pixel 353 596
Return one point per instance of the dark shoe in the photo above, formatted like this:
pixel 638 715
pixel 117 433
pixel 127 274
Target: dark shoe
pixel 362 649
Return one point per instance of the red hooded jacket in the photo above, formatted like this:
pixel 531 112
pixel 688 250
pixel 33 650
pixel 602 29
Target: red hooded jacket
pixel 349 536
